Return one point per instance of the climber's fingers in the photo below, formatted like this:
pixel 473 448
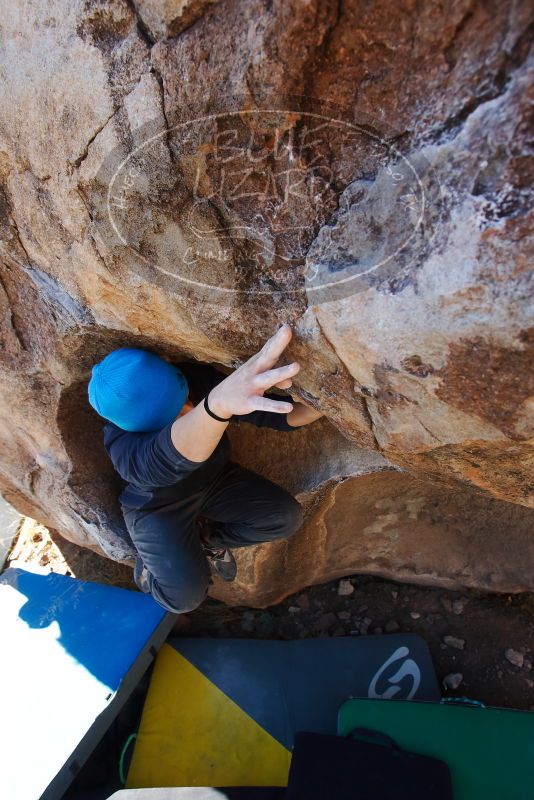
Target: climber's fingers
pixel 272 349
pixel 266 404
pixel 264 380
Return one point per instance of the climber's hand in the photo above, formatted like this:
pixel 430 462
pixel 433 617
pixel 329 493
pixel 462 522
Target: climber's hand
pixel 196 434
pixel 242 391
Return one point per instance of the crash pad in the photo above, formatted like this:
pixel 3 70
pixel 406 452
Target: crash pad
pixel 489 751
pixel 223 712
pixel 72 652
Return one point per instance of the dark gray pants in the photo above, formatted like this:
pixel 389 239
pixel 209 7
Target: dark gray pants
pixel 251 509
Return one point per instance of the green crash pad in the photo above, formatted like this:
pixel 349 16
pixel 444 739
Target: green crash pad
pixel 489 751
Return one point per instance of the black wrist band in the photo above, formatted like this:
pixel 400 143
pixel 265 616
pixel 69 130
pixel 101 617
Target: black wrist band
pixel 219 419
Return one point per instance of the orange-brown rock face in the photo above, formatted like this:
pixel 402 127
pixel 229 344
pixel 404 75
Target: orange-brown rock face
pixel 186 176
pixel 363 516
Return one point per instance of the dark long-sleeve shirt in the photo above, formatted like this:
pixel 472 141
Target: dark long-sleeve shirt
pixel 154 472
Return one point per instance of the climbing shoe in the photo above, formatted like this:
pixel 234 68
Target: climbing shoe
pixel 222 563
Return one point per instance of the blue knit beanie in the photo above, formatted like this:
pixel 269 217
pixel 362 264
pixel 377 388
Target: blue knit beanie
pixel 137 390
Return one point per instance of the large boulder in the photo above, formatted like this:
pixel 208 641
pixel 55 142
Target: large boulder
pixel 186 175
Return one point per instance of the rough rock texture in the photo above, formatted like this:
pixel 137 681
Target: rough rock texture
pixel 362 170
pixel 168 18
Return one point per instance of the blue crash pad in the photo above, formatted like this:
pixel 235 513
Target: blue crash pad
pixel 72 651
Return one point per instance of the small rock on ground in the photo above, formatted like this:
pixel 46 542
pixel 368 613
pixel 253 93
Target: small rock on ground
pixel 458 606
pixel 453 680
pixel 454 641
pixel 345 588
pixel 515 657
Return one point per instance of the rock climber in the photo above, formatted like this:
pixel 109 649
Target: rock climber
pixel 185 503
